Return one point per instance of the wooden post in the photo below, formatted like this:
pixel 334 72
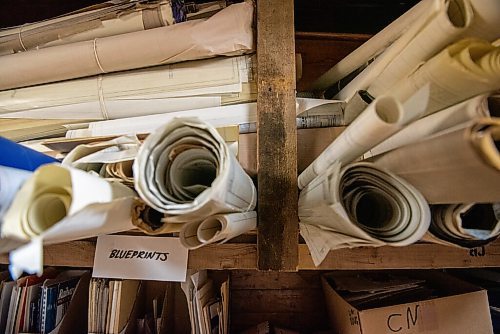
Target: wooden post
pixel 277 137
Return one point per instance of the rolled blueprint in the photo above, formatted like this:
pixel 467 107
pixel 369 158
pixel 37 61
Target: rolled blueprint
pixel 457 166
pixel 186 170
pixel 360 205
pixel 11 179
pixel 108 19
pixel 373 46
pixel 161 89
pixel 59 204
pixel 462 70
pixel 18 156
pixel 465 225
pixel 441 23
pixel 381 119
pixel 462 113
pixel 229 32
pixel 218 228
pixel 109 159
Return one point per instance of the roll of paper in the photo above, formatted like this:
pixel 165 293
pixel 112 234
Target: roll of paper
pixel 360 205
pixel 186 170
pixel 229 32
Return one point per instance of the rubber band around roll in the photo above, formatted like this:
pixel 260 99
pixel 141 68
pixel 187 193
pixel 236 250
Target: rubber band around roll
pixel 100 94
pixel 20 38
pixel 97 57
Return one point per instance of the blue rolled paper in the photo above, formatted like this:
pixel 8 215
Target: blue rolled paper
pixel 18 156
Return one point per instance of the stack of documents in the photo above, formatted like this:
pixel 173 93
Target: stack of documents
pixel 50 303
pixel 208 309
pixel 360 205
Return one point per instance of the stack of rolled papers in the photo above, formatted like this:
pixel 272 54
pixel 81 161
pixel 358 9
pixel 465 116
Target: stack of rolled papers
pixel 382 118
pixel 185 170
pixel 464 225
pixel 160 89
pixel 464 69
pixel 360 205
pixel 401 48
pixel 228 32
pixel 58 203
pixel 107 19
pixel 109 159
pixel 455 116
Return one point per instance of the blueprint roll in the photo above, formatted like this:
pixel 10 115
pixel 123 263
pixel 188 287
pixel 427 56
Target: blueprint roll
pixel 18 156
pixel 185 170
pixel 360 205
pixel 465 225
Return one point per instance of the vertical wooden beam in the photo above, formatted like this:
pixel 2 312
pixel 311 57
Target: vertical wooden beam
pixel 277 137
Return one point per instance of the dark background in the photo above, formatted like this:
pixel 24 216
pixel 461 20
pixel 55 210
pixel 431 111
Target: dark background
pixel 353 16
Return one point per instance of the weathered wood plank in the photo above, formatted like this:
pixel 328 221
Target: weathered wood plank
pixel 244 256
pixel 418 256
pixel 275 280
pixel 277 137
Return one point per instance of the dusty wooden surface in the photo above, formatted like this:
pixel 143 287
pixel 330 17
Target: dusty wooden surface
pixel 244 256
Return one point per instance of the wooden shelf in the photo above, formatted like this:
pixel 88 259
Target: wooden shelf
pixel 244 256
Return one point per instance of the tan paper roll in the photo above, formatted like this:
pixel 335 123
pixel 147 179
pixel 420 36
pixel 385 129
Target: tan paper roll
pixel 228 32
pixel 455 167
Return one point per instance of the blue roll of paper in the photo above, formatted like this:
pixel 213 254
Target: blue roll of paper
pixel 18 156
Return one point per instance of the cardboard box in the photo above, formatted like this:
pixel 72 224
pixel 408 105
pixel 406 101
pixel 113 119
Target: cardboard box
pixel 463 310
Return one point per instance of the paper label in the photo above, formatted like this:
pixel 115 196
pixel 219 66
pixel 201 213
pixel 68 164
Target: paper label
pixel 140 257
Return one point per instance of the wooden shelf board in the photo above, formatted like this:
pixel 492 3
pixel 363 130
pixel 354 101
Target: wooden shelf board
pixel 244 256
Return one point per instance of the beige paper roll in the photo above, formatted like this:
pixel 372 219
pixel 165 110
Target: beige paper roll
pixel 228 32
pixel 453 167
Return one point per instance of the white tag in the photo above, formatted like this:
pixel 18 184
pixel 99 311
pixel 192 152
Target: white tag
pixel 140 257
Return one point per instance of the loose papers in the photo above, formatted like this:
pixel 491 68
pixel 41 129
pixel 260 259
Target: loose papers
pixel 360 205
pixel 457 166
pixel 11 179
pixel 229 32
pixel 186 170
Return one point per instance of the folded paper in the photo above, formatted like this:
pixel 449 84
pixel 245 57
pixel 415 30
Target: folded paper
pixel 186 170
pixel 360 205
pixel 229 32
